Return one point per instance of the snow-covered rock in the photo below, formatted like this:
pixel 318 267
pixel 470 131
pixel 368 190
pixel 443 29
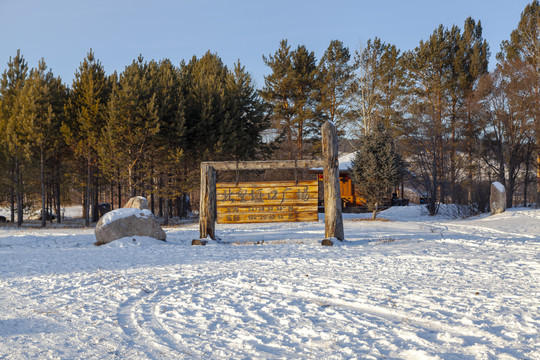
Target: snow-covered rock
pixel 497 199
pixel 138 202
pixel 125 222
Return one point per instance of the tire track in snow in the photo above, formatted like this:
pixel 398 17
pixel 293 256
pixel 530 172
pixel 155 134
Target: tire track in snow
pixel 137 318
pixel 480 231
pixel 383 313
pixel 139 315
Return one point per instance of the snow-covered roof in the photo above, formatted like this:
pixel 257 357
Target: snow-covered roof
pixel 345 163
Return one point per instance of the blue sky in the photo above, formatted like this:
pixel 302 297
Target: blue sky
pixel 62 31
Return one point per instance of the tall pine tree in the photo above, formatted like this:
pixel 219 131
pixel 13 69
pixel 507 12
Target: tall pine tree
pixel 132 124
pixel 335 75
pixel 43 99
pixel 290 92
pixel 85 118
pixel 11 87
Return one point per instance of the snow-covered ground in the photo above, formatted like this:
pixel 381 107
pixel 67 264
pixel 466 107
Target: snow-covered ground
pixel 414 287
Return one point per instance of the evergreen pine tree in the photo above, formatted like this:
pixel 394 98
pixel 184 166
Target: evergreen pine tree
pixel 335 75
pixel 43 99
pixel 469 54
pixel 430 73
pixel 377 167
pixel 203 91
pixel 132 124
pixel 245 118
pixel 278 93
pixel 290 92
pixel 11 86
pixel 85 119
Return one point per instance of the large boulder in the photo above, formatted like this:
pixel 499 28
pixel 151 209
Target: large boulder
pixel 138 202
pixel 125 222
pixel 497 199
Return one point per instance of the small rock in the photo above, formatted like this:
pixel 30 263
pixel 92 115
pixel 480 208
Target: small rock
pixel 198 242
pixel 327 242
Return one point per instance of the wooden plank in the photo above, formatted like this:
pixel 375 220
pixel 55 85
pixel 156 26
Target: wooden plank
pixel 265 193
pixel 234 209
pixel 267 201
pixel 272 184
pixel 272 197
pixel 263 165
pixel 265 217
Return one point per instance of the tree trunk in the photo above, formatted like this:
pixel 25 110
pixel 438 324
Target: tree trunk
pixel 18 193
pixel 510 194
pixel 12 200
pixel 166 213
pixel 300 141
pixel 538 175
pixel 181 205
pixel 130 182
pixel 453 166
pixel 111 188
pixel 527 170
pixel 432 204
pixel 58 195
pixel 152 199
pixel 50 200
pixel 42 176
pixel 185 205
pixel 375 211
pixel 178 207
pixel 526 184
pixel 95 202
pixel 119 193
pixel 160 200
pixel 88 193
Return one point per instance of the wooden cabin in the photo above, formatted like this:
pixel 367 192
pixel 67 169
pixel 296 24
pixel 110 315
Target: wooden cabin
pixel 349 196
pixel 351 199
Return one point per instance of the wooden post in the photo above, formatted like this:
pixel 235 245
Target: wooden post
pixel 333 220
pixel 207 207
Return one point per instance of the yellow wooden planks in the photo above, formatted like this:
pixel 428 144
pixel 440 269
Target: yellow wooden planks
pixel 278 201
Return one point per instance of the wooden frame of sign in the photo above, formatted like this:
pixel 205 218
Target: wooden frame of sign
pixel 273 201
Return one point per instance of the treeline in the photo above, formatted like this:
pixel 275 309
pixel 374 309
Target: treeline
pixel 142 132
pixel 146 130
pixel 457 126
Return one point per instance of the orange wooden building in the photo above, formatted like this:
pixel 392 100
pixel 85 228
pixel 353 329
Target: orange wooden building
pixel 349 196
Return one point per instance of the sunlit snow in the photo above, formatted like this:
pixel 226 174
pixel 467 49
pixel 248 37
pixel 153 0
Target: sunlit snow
pixel 413 287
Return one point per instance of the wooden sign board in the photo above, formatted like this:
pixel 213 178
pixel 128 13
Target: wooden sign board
pixel 258 202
